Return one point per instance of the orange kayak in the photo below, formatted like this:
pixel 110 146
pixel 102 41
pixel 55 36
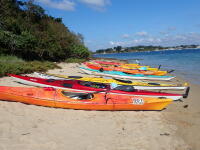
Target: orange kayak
pixel 59 98
pixel 117 68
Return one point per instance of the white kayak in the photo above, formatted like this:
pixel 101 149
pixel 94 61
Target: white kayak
pixel 137 85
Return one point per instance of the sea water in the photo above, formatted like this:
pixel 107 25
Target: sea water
pixel 186 63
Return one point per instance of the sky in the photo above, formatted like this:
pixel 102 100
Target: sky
pixel 110 23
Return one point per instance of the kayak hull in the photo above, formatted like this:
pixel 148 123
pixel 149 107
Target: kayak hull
pixel 55 98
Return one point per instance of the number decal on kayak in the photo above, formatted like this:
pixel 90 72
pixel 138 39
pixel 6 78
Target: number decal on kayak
pixel 138 101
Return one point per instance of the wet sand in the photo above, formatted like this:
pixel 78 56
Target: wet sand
pixel 33 127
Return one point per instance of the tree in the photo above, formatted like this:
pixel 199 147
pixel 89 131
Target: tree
pixel 118 48
pixel 26 31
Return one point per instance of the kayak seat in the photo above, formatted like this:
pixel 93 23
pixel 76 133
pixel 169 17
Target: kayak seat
pixel 101 69
pixel 124 81
pixel 75 77
pixel 79 96
pixel 153 83
pixel 92 84
pixel 50 80
pixel 126 88
pixel 67 85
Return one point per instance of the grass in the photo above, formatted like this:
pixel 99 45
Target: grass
pixel 75 60
pixel 15 65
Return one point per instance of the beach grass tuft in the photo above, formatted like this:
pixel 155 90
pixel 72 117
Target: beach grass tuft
pixel 15 65
pixel 75 60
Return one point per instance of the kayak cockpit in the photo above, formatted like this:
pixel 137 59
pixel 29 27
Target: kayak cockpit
pixel 79 96
pixel 93 84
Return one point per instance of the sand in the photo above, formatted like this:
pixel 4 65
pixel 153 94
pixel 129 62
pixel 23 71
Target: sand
pixel 32 127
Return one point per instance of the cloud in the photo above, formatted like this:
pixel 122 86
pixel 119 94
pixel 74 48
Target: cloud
pixel 126 43
pixel 99 3
pixel 173 40
pixel 69 5
pixel 66 5
pixel 126 36
pixel 143 33
pixel 96 4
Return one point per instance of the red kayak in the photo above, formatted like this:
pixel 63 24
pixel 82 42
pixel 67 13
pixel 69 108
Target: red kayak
pixel 85 86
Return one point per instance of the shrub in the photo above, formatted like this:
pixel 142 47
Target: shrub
pixel 14 65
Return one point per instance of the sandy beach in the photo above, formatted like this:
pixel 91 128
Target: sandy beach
pixel 29 127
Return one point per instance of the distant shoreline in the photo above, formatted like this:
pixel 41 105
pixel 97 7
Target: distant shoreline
pixel 198 48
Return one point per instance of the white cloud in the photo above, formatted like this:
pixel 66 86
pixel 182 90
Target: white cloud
pixel 143 33
pixel 69 5
pixel 66 5
pixel 173 40
pixel 112 43
pixel 96 4
pixel 126 36
pixel 99 3
pixel 126 43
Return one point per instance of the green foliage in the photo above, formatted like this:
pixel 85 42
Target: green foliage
pixel 14 65
pixel 27 32
pixel 79 51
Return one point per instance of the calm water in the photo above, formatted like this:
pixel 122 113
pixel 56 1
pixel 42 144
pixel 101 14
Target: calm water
pixel 186 63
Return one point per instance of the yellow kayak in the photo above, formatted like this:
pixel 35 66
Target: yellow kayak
pixel 136 84
pixel 133 66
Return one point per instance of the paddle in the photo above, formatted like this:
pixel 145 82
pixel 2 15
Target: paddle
pixel 186 92
pixel 170 71
pixel 159 67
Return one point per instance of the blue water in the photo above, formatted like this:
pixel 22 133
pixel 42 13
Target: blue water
pixel 186 63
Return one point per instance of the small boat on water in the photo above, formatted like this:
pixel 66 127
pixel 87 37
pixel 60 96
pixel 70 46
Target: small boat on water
pixel 118 74
pixel 60 98
pixel 85 86
pixel 137 84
